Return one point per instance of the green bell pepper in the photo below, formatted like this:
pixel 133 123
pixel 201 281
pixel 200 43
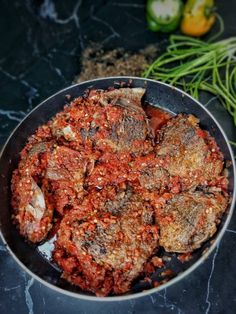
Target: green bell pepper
pixel 164 15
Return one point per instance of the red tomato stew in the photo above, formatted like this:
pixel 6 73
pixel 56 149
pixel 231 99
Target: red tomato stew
pixel 116 182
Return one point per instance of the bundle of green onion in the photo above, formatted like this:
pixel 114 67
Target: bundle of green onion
pixel 195 65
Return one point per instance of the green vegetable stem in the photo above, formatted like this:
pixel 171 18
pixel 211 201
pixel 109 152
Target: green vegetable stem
pixel 195 65
pixel 164 15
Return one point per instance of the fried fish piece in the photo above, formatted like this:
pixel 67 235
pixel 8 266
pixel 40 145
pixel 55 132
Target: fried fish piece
pixel 110 247
pixel 189 219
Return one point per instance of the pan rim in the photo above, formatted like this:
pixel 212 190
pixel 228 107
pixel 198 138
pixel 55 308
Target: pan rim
pixel 179 276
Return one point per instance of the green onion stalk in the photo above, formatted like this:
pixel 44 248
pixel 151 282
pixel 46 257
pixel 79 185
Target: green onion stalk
pixel 195 66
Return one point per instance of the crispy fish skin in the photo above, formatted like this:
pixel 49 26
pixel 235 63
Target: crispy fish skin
pixel 116 242
pixel 189 152
pixel 189 219
pixel 108 120
pixel 128 128
pixel 31 212
pixel 32 215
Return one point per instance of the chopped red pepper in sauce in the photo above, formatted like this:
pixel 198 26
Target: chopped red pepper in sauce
pixel 94 177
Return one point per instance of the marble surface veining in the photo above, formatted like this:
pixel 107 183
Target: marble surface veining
pixel 41 42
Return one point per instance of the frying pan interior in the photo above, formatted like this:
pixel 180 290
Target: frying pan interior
pixel 158 94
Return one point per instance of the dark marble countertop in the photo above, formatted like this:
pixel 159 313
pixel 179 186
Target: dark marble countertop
pixel 41 43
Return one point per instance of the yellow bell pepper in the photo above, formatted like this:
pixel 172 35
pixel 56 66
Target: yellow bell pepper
pixel 198 17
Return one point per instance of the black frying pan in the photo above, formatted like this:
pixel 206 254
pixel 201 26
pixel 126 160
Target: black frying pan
pixel 28 255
